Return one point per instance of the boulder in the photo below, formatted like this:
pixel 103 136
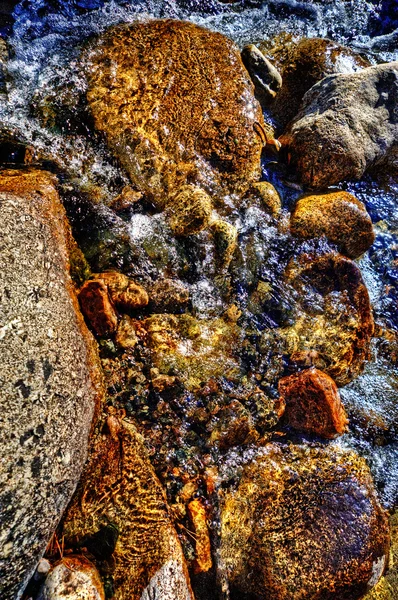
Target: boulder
pixel 120 515
pixel 303 63
pixel 334 321
pixel 50 373
pixel 313 403
pixel 176 106
pixel 303 522
pixel 339 216
pixel 346 125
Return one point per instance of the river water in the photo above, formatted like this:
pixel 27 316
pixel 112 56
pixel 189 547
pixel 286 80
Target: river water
pixel 45 46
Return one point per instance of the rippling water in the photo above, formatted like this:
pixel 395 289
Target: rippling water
pixel 45 46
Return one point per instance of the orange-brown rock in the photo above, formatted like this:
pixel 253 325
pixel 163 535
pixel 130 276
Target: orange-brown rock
pixel 313 403
pixel 97 307
pixel 176 106
pixel 120 492
pixel 334 323
pixel 339 216
pixel 197 514
pixel 303 523
pixel 168 296
pixel 124 293
pixel 126 336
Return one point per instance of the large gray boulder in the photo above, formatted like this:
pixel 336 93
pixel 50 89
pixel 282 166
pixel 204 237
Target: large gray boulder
pixel 346 125
pixel 49 378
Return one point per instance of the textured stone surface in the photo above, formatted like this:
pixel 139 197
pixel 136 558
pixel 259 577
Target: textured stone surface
pixel 119 489
pixel 73 578
pixel 339 216
pixel 313 403
pixel 98 308
pixel 124 293
pixel 303 523
pixel 50 381
pixel 266 78
pixel 346 125
pixel 334 325
pixel 176 106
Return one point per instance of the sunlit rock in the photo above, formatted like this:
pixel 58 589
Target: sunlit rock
pixel 177 106
pixel 313 403
pixel 198 517
pixel 267 195
pixel 97 307
pixel 266 78
pixel 124 293
pixel 50 374
pixel 339 216
pixel 333 316
pixel 119 489
pixel 347 124
pixel 73 578
pixel 303 523
pixel 190 211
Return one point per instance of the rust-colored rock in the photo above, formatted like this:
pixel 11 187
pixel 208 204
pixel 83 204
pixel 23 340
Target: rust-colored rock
pixel 176 106
pixel 304 522
pixel 124 293
pixel 339 216
pixel 313 403
pixel 197 513
pixel 97 307
pixel 334 320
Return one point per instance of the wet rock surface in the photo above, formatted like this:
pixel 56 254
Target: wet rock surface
pixel 183 122
pixel 347 124
pixel 74 578
pixel 303 523
pixel 51 378
pixel 339 216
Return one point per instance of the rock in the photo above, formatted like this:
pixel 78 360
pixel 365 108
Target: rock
pixel 333 316
pixel 387 587
pixel 50 373
pixel 303 523
pixel 346 125
pixel 302 65
pixel 176 106
pixel 119 489
pixel 266 78
pixel 125 200
pixel 232 426
pixel 190 211
pixel 197 514
pixel 339 216
pixel 73 578
pixel 168 296
pixel 268 197
pixel 313 403
pixel 126 336
pixel 225 237
pixel 124 293
pixel 98 308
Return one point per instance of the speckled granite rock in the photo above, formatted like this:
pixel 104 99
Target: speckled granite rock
pixel 303 523
pixel 50 380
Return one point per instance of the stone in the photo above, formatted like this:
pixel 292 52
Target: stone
pixel 126 336
pixel 176 106
pixel 339 216
pixel 333 316
pixel 119 489
pixel 266 78
pixel 124 293
pixel 233 426
pixel 168 296
pixel 387 586
pixel 73 578
pixel 346 125
pixel 303 522
pixel 197 514
pixel 225 236
pixel 125 200
pixel 50 373
pixel 313 403
pixel 268 197
pixel 98 308
pixel 302 64
pixel 190 211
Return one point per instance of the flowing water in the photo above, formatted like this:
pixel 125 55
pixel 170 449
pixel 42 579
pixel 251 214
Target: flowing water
pixel 44 69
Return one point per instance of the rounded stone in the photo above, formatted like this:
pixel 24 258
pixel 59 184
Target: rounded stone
pixel 74 578
pixel 339 216
pixel 190 211
pixel 303 523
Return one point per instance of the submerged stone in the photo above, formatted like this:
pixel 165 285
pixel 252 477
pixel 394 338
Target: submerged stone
pixel 50 373
pixel 73 578
pixel 303 523
pixel 339 216
pixel 176 106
